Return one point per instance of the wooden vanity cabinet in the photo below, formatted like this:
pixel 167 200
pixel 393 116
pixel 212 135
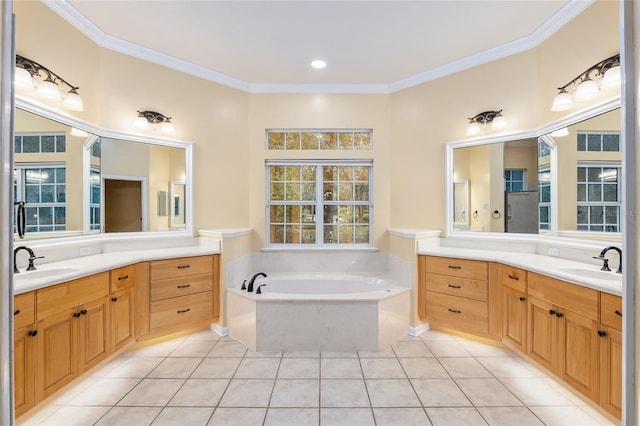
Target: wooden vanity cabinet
pixel 514 306
pixel 563 331
pixel 122 306
pixel 73 331
pixel 25 338
pixel 610 334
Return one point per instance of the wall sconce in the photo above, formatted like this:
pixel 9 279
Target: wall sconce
pixel 497 120
pixel 151 117
pixel 30 74
pixel 585 86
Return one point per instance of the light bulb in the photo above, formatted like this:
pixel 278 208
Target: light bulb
pixel 73 101
pixel 79 133
pixel 562 101
pixel 611 79
pixel 168 127
pixel 141 122
pixel 499 122
pixel 318 64
pixel 560 132
pixel 49 90
pixel 473 128
pixel 23 78
pixel 586 90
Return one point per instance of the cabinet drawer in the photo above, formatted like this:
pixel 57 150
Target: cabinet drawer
pixel 24 310
pixel 581 300
pixel 462 287
pixel 122 278
pixel 171 268
pixel 462 268
pixel 515 278
pixel 181 310
pixel 58 298
pixel 457 312
pixel 611 310
pixel 173 287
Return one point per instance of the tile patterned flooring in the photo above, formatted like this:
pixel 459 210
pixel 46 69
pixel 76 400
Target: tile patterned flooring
pixel 202 379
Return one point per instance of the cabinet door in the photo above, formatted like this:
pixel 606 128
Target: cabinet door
pixel 93 333
pixel 121 318
pixel 542 341
pixel 611 371
pixel 56 359
pixel 24 369
pixel 580 355
pixel 514 325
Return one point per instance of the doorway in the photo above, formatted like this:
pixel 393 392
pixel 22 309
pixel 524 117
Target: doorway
pixel 123 205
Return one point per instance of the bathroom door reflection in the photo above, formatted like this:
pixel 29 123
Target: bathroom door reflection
pixel 178 204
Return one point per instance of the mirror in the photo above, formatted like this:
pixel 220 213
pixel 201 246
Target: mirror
pixel 564 183
pixel 122 179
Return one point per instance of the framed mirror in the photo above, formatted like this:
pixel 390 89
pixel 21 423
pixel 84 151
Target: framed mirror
pixel 562 180
pixel 77 179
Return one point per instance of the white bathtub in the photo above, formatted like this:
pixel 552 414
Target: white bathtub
pixel 319 313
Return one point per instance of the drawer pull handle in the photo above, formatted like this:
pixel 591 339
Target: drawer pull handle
pixel 552 312
pixel 184 286
pixel 184 310
pixel 455 267
pixel 76 315
pixel 514 278
pixel 114 299
pixel 522 298
pixel 454 311
pixel 453 286
pixel 33 333
pixel 123 278
pixel 618 313
pixel 559 314
pixel 184 266
pixel 83 312
pixel 17 312
pixel 601 333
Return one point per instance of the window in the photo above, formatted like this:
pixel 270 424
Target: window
pixel 295 140
pixel 598 206
pixel 49 142
pixel 94 202
pixel 515 180
pixel 544 150
pixel 43 188
pixel 319 202
pixel 599 142
pixel 544 198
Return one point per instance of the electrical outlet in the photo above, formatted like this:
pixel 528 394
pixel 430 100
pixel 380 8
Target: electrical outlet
pixel 85 251
pixel 554 251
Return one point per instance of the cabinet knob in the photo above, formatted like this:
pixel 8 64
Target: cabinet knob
pixel 455 311
pixel 552 312
pixel 522 298
pixel 618 313
pixel 114 299
pixel 33 333
pixel 123 278
pixel 601 333
pixel 513 278
pixel 16 312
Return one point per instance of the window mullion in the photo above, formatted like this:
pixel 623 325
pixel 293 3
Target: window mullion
pixel 319 207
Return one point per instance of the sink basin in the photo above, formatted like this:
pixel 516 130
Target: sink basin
pixel 593 273
pixel 51 272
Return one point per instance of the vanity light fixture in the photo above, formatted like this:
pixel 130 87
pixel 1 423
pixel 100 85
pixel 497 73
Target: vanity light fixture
pixel 49 85
pixel 604 75
pixel 497 120
pixel 151 117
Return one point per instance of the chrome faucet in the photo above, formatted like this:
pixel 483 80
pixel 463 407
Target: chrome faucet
pixel 32 257
pixel 605 267
pixel 253 279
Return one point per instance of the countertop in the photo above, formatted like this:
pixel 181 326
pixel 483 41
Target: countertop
pixel 584 274
pixel 58 272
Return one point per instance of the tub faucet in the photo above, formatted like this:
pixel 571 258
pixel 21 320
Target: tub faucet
pixel 32 257
pixel 253 279
pixel 606 262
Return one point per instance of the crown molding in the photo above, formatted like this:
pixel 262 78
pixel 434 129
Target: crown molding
pixel 79 21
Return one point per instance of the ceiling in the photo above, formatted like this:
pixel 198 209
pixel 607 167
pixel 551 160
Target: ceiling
pixel 375 46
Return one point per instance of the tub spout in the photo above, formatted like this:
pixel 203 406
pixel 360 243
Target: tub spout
pixel 253 279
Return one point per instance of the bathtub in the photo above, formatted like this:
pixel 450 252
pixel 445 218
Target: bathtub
pixel 326 312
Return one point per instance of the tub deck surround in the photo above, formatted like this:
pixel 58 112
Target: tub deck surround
pixel 365 319
pixel 57 272
pixel 555 267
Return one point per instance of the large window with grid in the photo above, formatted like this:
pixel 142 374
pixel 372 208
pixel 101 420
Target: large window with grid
pixel 319 202
pixel 544 198
pixel 598 141
pixel 94 202
pixel 598 207
pixel 43 188
pixel 36 142
pixel 515 180
pixel 342 140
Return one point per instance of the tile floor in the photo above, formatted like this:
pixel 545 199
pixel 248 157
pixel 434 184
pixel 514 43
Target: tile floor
pixel 202 379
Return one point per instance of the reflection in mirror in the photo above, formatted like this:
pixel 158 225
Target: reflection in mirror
pixel 133 173
pixel 177 204
pixel 461 204
pixel 48 168
pixel 563 183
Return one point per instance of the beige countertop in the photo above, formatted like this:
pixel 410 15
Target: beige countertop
pixel 584 274
pixel 58 272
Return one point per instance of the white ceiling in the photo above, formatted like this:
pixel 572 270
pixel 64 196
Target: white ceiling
pixel 375 45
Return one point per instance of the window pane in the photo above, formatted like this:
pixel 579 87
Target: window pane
pixel 61 143
pixel 32 194
pixel 582 174
pixel 582 215
pixel 293 191
pixel 330 192
pixel 330 214
pixel 582 142
pixel 345 141
pixel 48 175
pixel 610 192
pixel 361 174
pixel 362 234
pixel 276 173
pixel 328 141
pixel 61 175
pixel 17 145
pixel 544 214
pixel 593 174
pixel 309 234
pixel 277 214
pixel 609 175
pixel 293 141
pixel 31 144
pixel 362 141
pixel 45 215
pixel 292 214
pixel 596 214
pixel 308 173
pixel 598 228
pixel 345 191
pixel 545 194
pixel 330 233
pixel 31 214
pixel 346 234
pixel 310 141
pixel 292 173
pixel 276 141
pixel 277 234
pixel 330 173
pixel 292 234
pixel 593 142
pixel 60 215
pixel 61 195
pixel 361 214
pixel 308 191
pixel 611 143
pixel 612 214
pixel 277 191
pixel 594 193
pixel 95 195
pixel 48 144
pixel 308 214
pixel 345 173
pixel 345 214
pixel 362 192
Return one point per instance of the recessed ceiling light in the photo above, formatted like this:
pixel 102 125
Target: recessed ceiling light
pixel 318 64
